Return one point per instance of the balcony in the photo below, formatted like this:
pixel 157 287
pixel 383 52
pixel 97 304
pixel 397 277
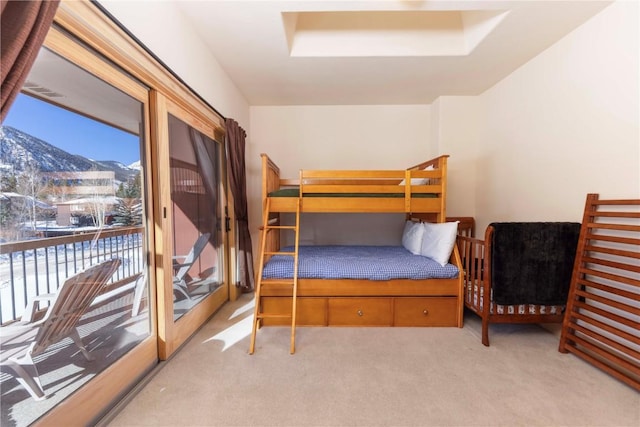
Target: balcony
pixel 35 267
pixel 117 320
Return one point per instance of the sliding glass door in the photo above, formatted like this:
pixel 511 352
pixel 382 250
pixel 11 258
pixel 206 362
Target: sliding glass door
pixel 195 164
pixel 104 156
pixel 193 199
pixel 73 200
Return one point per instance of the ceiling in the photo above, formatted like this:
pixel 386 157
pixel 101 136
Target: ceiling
pixel 376 52
pixel 340 52
pixel 57 81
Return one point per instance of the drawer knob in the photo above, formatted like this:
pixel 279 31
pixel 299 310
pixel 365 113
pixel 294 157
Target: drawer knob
pixel 360 313
pixel 425 312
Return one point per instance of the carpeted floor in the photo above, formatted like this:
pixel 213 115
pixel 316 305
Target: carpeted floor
pixel 377 377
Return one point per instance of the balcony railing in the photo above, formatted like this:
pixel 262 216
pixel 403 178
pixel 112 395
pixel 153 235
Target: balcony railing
pixel 40 266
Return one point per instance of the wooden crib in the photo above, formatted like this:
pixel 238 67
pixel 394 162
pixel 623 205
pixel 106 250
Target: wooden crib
pixel 479 264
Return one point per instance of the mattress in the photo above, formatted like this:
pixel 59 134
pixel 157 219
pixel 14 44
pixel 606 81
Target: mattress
pixel 294 192
pixel 356 262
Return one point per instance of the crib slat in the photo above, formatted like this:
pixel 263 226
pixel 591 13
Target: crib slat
pixel 606 367
pixel 582 306
pixel 596 347
pixel 612 330
pixel 611 290
pixel 601 324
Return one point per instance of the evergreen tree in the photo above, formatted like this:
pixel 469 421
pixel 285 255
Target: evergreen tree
pixel 128 212
pixel 8 183
pixel 130 189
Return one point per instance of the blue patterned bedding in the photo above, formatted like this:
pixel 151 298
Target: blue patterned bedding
pixel 357 262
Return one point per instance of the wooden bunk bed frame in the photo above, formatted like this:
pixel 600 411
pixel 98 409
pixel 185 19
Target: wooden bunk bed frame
pixel 351 302
pixel 361 191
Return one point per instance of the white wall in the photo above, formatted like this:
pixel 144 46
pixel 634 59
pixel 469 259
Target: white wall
pixel 563 125
pixel 530 148
pixel 161 27
pixel 455 130
pixel 338 137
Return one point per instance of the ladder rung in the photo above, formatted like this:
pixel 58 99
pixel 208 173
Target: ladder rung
pixel 273 316
pixel 281 227
pixel 266 282
pixel 270 223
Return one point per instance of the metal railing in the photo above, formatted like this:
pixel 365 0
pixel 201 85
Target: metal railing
pixel 40 266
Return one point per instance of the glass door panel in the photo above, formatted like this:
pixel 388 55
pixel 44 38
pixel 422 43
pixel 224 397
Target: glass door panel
pixel 197 197
pixel 191 236
pixel 72 199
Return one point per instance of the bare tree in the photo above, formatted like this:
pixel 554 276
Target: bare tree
pixel 98 208
pixel 99 205
pixel 31 185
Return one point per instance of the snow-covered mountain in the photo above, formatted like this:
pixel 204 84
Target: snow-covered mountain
pixel 19 149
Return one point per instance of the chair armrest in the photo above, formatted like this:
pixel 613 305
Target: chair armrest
pixel 175 264
pixel 34 305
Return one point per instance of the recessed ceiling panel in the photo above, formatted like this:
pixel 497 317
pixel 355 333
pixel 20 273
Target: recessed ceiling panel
pixel 387 33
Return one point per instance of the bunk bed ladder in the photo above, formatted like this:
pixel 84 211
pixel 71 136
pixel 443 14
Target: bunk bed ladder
pixel 259 314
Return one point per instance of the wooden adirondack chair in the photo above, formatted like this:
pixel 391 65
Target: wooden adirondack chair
pixel 60 321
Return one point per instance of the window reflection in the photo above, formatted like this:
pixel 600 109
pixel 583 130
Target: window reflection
pixel 196 198
pixel 74 289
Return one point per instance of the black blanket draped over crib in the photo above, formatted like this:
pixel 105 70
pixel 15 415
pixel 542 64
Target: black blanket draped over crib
pixel 532 262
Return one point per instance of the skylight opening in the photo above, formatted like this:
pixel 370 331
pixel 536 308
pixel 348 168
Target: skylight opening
pixel 387 33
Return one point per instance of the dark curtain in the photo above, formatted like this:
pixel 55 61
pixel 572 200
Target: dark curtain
pixel 207 158
pixel 23 27
pixel 235 142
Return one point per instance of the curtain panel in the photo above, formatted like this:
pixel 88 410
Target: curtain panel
pixel 235 142
pixel 23 27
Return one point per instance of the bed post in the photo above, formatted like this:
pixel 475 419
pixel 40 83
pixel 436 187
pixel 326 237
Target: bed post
pixel 486 286
pixel 270 182
pixel 442 165
pixel 457 261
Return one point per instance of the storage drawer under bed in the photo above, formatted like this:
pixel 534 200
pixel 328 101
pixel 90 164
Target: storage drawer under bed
pixel 311 311
pixel 365 311
pixel 360 311
pixel 435 311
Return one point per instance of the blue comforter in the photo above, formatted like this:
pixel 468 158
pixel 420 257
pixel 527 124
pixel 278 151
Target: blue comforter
pixel 357 262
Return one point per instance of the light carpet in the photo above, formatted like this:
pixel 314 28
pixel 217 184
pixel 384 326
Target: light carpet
pixel 377 377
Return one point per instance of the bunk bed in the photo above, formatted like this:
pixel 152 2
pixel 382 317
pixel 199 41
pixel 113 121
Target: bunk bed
pixel 356 301
pixel 359 190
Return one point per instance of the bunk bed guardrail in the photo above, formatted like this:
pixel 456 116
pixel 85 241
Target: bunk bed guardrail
pixel 360 190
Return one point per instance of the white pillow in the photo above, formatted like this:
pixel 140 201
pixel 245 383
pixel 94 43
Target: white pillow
pixel 419 181
pixel 412 237
pixel 416 181
pixel 438 240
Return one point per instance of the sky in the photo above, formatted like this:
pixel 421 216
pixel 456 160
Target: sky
pixel 72 132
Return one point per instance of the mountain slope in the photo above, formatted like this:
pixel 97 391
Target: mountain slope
pixel 18 150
